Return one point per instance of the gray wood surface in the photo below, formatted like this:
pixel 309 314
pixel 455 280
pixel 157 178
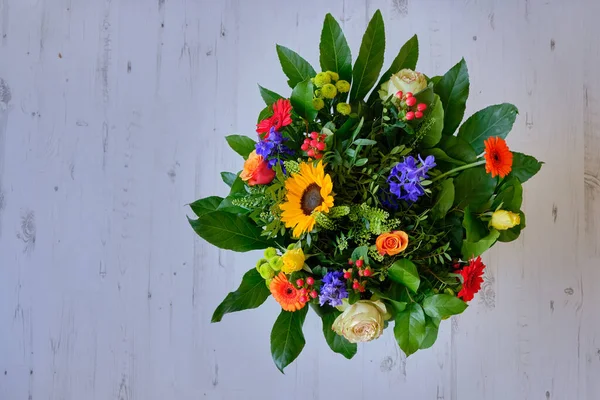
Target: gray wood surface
pixel 112 118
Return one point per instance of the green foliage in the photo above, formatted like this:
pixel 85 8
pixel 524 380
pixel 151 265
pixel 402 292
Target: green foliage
pixel 251 294
pixel 453 89
pixel 444 199
pixel 287 339
pixel 301 100
pixel 473 187
pixel 242 145
pixel 337 343
pixel 228 178
pixel 443 305
pixel 496 120
pixel 370 59
pixel 296 68
pixel 206 205
pixel 335 53
pixel 430 132
pixel 410 328
pixel 405 272
pixel 524 166
pixel 268 96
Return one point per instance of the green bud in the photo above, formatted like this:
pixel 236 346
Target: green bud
pixel 449 291
pixel 266 271
pixel 276 263
pixel 260 262
pixel 270 252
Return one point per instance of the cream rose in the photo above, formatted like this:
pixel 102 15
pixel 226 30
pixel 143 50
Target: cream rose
pixel 361 321
pixel 404 81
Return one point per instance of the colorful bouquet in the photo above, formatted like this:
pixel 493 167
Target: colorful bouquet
pixel 371 205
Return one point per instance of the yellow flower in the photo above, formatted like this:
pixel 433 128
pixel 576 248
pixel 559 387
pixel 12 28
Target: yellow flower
pixel 343 108
pixel 328 91
pixel 334 75
pixel 318 103
pixel 293 260
pixel 362 321
pixel 343 86
pixel 322 79
pixel 503 220
pixel 307 191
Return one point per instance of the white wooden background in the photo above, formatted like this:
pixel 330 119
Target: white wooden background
pixel 112 118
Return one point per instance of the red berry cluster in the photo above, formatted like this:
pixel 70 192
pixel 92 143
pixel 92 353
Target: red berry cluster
pixel 362 270
pixel 410 102
pixel 314 145
pixel 306 289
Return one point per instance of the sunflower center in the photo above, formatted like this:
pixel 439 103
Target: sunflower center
pixel 311 198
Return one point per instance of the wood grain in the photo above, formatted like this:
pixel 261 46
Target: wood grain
pixel 112 118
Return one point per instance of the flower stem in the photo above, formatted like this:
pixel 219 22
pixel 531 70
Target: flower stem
pixel 462 167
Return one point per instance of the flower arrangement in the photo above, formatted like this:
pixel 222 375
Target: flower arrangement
pixel 371 205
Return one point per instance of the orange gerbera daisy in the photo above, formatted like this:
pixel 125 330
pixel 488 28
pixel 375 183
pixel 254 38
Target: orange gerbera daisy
pixel 285 293
pixel 498 158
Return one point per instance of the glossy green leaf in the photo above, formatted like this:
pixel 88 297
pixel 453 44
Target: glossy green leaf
pixel 440 155
pixel 301 100
pixel 405 272
pixel 296 68
pixel 444 199
pixel 227 206
pixel 364 142
pixel 453 89
pixel 431 333
pixel 473 187
pixel 409 328
pixel 473 249
pixel 443 305
pixel 496 120
pixel 458 149
pixel 510 197
pixel 251 294
pixel 242 145
pixel 228 178
pixel 287 339
pixel 406 59
pixel 524 166
pixel 474 227
pixel 433 125
pixel 206 205
pixel 229 231
pixel 268 96
pixel 335 52
pixel 370 59
pixel 265 113
pixel 337 343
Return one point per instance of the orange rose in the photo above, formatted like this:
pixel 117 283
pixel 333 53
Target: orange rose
pixel 256 170
pixel 391 243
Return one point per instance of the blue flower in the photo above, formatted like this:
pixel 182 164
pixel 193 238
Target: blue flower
pixel 273 148
pixel 405 178
pixel 333 289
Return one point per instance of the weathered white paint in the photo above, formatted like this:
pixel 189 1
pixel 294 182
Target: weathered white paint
pixel 112 117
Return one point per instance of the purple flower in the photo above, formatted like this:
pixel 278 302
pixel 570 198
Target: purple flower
pixel 405 178
pixel 333 289
pixel 272 149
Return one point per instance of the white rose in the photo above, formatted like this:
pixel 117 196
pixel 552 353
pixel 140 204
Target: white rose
pixel 361 321
pixel 404 81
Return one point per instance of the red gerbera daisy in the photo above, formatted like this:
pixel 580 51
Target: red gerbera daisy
pixel 472 277
pixel 282 116
pixel 498 158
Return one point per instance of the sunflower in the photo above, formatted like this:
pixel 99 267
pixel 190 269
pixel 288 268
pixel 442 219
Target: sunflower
pixel 498 158
pixel 285 293
pixel 308 191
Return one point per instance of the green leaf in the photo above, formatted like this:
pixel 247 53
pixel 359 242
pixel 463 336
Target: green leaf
pixel 296 68
pixel 229 231
pixel 364 142
pixel 524 166
pixel 227 206
pixel 228 178
pixel 242 145
pixel 405 272
pixel 301 100
pixel 268 96
pixel 335 53
pixel 444 199
pixel 511 196
pixel 337 343
pixel 409 328
pixel 473 187
pixel 473 249
pixel 238 186
pixel 370 59
pixel 361 161
pixel 440 155
pixel 443 305
pixel 435 125
pixel 251 294
pixel 458 149
pixel 496 120
pixel 453 89
pixel 265 113
pixel 287 339
pixel 406 59
pixel 474 228
pixel 431 333
pixel 206 205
